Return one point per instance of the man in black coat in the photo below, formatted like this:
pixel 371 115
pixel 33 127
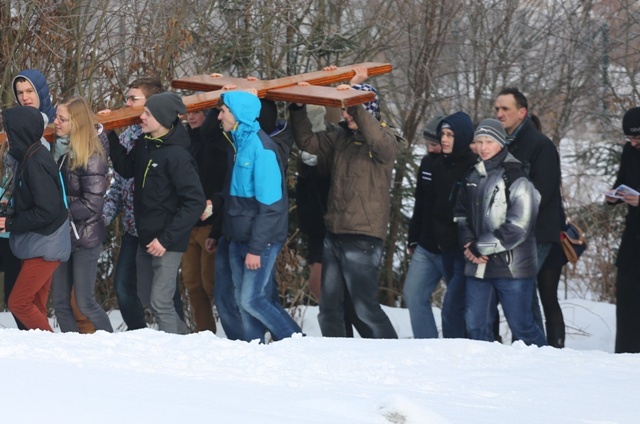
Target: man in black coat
pixel 628 278
pixel 168 200
pixel 530 146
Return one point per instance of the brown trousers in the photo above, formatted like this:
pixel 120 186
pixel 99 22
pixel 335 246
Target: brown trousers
pixel 197 275
pixel 85 326
pixel 28 300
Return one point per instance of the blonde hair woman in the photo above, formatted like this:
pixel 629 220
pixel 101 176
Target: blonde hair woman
pixel 84 168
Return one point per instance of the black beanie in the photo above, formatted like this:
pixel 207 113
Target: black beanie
pixel 430 132
pixel 631 122
pixel 165 108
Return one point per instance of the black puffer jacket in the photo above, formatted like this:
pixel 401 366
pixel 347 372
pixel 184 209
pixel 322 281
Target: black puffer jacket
pixel 168 197
pixel 86 188
pixel 39 206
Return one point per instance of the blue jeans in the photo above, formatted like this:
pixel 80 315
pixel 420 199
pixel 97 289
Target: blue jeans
pixel 352 262
pixel 254 294
pixel 423 276
pixel 515 297
pixel 224 294
pixel 126 284
pixel 453 305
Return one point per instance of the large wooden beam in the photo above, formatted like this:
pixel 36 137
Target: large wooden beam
pixel 338 75
pixel 313 94
pixel 280 89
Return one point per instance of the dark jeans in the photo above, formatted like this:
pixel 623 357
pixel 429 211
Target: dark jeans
pixel 125 283
pixel 352 262
pixel 224 294
pixel 515 297
pixel 453 305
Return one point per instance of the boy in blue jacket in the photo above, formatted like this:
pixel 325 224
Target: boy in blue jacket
pixel 255 217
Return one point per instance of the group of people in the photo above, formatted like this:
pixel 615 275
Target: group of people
pixel 208 198
pixel 488 218
pixel 182 195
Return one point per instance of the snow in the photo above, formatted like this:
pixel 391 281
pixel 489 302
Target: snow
pixel 149 376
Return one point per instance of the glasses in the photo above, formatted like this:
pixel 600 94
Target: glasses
pixel 133 98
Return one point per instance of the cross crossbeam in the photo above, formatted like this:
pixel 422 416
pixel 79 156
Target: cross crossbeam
pixel 279 89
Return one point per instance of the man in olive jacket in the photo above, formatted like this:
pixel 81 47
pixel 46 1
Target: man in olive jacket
pixel 362 152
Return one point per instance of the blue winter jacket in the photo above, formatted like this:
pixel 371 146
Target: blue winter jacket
pixel 256 205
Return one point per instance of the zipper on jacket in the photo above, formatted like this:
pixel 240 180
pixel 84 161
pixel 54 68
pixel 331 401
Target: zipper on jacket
pixel 235 151
pixel 146 171
pixel 493 198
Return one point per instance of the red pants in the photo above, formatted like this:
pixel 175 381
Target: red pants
pixel 28 300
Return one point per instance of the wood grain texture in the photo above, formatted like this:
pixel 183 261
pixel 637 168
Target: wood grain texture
pixel 323 96
pixel 338 75
pixel 279 89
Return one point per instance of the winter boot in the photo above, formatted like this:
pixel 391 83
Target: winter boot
pixel 555 335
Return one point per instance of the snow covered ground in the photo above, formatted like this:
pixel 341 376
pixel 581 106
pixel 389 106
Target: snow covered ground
pixel 150 377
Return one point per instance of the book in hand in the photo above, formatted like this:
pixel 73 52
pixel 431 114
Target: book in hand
pixel 620 191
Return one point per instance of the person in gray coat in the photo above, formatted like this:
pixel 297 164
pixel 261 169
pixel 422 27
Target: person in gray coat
pixel 496 213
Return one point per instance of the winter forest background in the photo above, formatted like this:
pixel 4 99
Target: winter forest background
pixel 578 62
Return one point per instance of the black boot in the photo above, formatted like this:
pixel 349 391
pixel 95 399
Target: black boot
pixel 555 335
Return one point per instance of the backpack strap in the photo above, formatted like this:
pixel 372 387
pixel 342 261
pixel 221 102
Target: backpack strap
pixel 513 171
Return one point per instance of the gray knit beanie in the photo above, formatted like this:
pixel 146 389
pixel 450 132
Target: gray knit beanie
pixel 430 132
pixel 165 108
pixel 492 128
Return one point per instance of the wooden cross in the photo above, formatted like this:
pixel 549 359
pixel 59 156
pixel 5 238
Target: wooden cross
pixel 280 89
